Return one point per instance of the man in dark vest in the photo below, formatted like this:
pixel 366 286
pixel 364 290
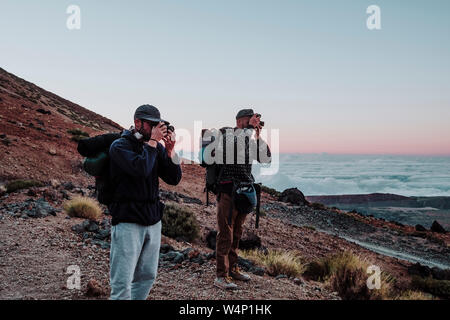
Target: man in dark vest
pixel 230 213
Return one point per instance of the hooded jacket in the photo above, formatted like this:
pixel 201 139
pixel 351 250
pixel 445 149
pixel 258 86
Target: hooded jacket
pixel 134 171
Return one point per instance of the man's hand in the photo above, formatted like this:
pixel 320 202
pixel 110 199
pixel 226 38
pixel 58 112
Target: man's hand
pixel 254 121
pixel 158 133
pixel 169 142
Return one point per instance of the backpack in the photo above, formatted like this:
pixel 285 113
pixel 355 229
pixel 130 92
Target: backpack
pixel 213 170
pixel 96 163
pixel 246 198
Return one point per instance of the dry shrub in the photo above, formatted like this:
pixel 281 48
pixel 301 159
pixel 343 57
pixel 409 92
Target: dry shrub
pixel 22 184
pixel 83 207
pixel 276 262
pixel 78 132
pixel 414 295
pixel 274 193
pixel 179 222
pixel 318 206
pixel 347 274
pixel 440 288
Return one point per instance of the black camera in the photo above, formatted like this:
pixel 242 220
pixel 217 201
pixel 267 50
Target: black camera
pixel 261 123
pixel 169 127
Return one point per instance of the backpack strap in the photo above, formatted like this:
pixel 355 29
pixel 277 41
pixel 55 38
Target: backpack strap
pixel 258 203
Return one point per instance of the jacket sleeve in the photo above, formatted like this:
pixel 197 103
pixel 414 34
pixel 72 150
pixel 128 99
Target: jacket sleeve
pixel 168 171
pixel 131 162
pixel 262 147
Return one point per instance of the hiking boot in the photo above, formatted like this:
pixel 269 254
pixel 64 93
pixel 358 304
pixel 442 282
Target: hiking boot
pixel 225 283
pixel 236 274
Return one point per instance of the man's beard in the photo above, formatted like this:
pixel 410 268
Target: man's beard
pixel 145 136
pixel 140 135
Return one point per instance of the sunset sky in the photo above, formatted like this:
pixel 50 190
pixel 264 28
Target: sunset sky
pixel 311 68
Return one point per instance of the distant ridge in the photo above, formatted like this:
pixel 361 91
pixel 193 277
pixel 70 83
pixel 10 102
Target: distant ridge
pixel 356 198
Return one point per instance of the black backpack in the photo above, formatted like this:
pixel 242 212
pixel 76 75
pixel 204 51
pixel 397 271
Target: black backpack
pixel 96 151
pixel 213 170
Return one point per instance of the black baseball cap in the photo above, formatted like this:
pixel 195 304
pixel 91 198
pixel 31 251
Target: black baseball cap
pixel 245 113
pixel 148 112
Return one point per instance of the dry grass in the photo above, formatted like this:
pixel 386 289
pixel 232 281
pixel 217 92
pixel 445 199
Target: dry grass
pixel 83 207
pixel 440 288
pixel 414 295
pixel 22 184
pixel 276 262
pixel 347 274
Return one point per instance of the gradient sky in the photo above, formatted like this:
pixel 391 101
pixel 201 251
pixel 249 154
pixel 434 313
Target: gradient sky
pixel 312 68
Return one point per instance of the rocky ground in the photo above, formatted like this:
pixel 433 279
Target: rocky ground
pixel 37 250
pixel 400 242
pixel 39 242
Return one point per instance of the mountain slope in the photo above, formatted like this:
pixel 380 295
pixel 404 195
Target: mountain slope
pixel 34 124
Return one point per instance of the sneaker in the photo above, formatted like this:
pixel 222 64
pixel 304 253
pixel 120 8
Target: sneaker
pixel 236 274
pixel 225 283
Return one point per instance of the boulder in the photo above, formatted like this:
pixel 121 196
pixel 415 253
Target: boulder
pixel 420 227
pixel 43 111
pixel 293 196
pixel 257 270
pixel 102 234
pixel 68 186
pixel 94 289
pixel 419 270
pixel 165 248
pixel 440 274
pixel 244 263
pixel 92 226
pixel 252 241
pixel 436 227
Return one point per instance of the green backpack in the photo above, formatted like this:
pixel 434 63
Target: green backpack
pixel 96 163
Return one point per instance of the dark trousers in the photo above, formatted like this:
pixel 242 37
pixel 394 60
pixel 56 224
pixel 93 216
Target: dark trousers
pixel 228 236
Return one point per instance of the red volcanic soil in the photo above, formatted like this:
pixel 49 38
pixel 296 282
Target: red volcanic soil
pixel 35 123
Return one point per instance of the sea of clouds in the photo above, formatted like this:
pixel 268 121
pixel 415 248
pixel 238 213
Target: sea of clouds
pixel 325 174
pixel 328 174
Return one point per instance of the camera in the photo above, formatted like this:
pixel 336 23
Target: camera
pixel 260 122
pixel 169 126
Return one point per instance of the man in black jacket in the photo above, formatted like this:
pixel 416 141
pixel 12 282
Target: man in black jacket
pixel 138 159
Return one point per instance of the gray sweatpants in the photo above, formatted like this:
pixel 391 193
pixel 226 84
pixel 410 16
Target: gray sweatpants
pixel 134 258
